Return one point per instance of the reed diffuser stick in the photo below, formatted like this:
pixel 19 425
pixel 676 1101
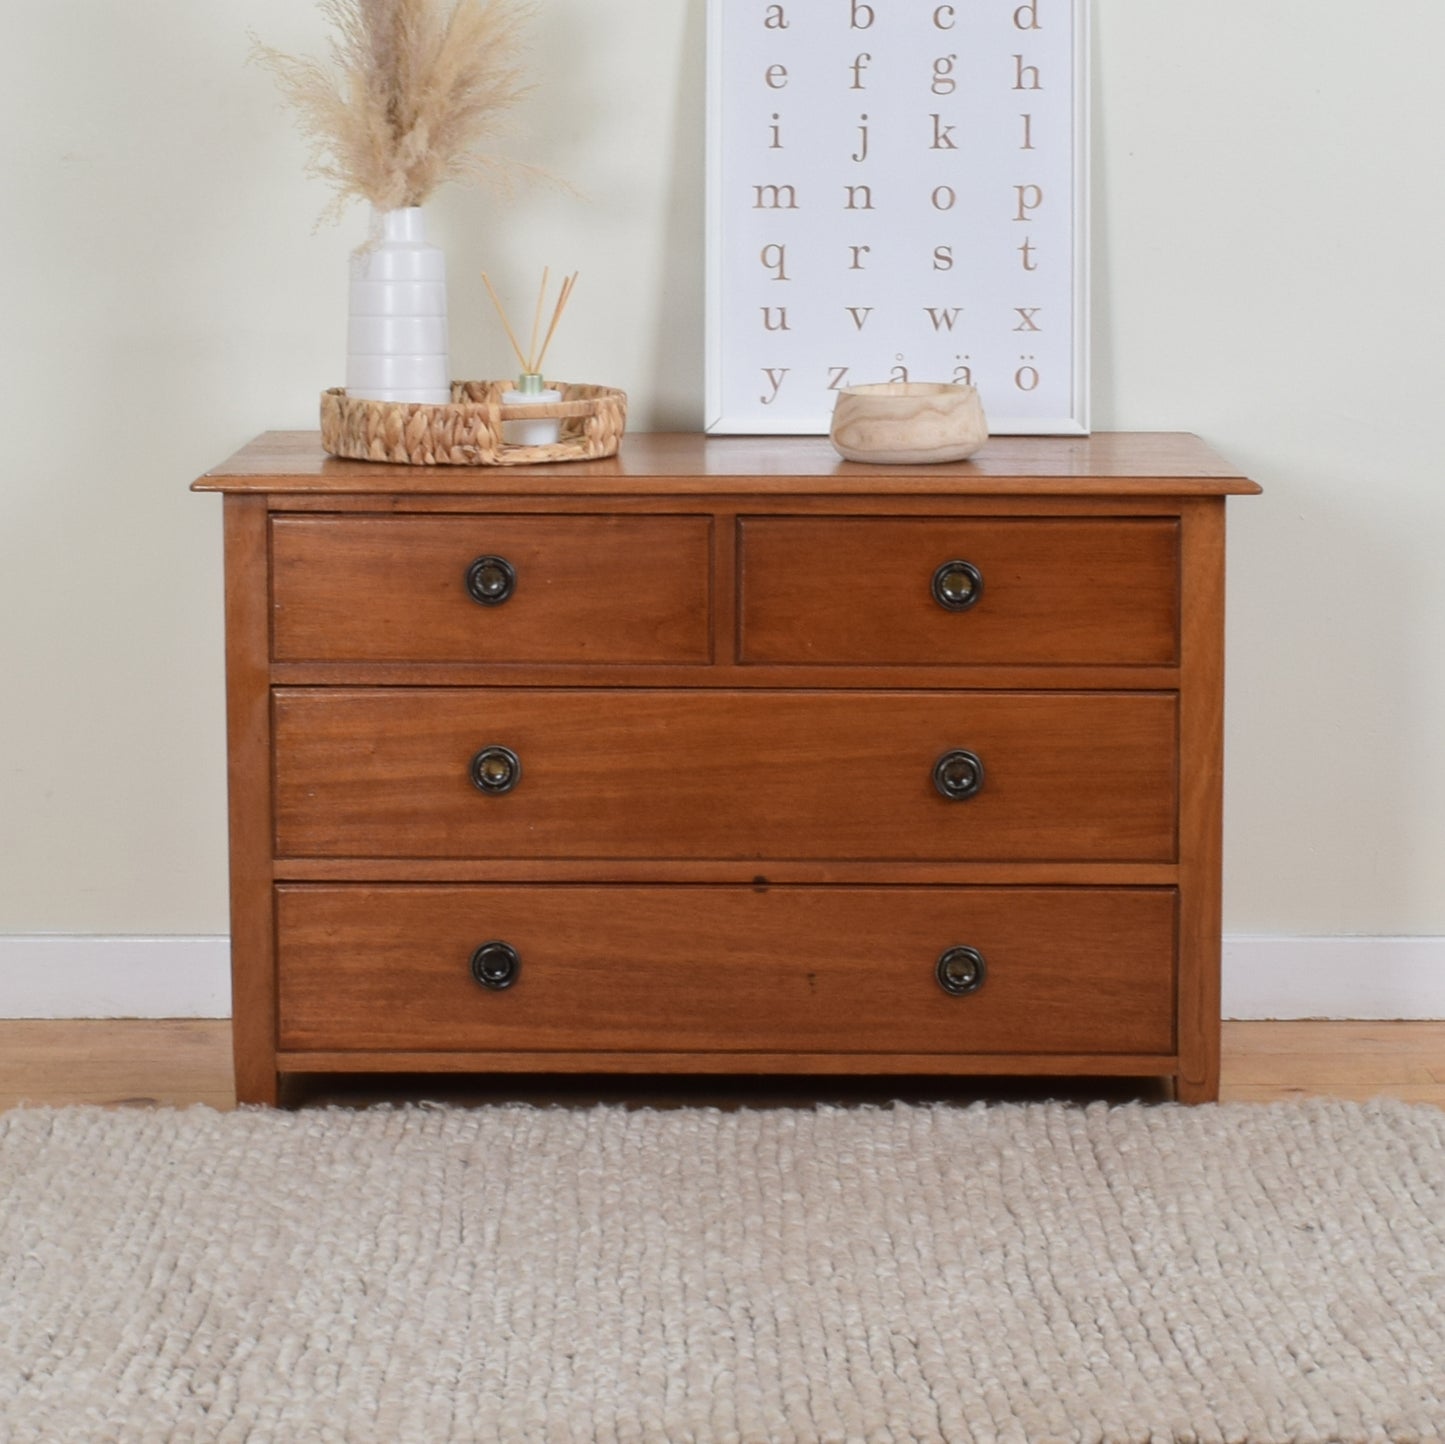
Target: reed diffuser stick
pixel 531 363
pixel 496 301
pixel 537 320
pixel 562 298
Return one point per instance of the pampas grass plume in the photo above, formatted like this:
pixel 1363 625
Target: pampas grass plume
pixel 410 92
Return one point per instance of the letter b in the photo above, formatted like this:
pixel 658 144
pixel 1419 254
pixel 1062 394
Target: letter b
pixel 861 8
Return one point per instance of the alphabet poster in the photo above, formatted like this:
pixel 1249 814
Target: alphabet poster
pixel 896 192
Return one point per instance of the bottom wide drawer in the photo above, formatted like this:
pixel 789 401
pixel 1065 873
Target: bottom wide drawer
pixel 726 968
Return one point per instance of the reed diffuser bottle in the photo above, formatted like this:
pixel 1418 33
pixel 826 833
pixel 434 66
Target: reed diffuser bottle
pixel 531 388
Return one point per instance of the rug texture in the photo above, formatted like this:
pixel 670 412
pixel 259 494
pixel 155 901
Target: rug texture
pixel 1016 1273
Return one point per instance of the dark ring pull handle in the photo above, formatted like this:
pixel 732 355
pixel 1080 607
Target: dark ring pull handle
pixel 495 965
pixel 958 775
pixel 496 770
pixel 961 971
pixel 491 580
pixel 957 585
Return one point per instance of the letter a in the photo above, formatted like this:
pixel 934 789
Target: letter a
pixel 775 20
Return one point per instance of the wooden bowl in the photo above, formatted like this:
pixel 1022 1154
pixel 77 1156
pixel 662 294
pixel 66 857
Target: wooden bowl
pixel 902 422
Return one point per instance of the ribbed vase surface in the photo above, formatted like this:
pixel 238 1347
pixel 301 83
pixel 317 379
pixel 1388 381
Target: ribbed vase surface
pixel 396 341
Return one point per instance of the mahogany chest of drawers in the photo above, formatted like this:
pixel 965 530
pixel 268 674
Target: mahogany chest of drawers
pixel 726 756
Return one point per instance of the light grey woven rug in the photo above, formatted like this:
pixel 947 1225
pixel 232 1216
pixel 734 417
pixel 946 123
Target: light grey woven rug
pixel 1024 1273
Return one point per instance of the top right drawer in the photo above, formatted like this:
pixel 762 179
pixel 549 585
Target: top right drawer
pixel 958 591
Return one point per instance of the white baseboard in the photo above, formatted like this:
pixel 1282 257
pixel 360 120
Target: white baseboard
pixel 61 976
pixel 1333 977
pixel 65 976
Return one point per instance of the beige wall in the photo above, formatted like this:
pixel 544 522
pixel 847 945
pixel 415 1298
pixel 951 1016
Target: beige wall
pixel 1268 214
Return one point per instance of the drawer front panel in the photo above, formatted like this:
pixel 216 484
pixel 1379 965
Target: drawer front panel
pixel 729 775
pixel 727 968
pixel 1053 592
pixel 587 589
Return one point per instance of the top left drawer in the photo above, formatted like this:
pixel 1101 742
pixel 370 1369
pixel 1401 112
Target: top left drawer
pixel 568 589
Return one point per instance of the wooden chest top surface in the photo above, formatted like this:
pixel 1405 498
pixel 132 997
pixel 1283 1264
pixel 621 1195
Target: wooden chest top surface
pixel 1113 463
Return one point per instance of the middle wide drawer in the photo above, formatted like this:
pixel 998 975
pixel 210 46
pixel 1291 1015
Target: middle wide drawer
pixel 747 774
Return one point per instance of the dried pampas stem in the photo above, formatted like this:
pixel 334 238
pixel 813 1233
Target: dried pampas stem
pixel 413 88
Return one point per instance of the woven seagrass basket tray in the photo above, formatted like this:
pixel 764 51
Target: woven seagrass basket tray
pixel 468 431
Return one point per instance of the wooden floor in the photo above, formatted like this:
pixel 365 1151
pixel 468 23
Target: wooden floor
pixel 187 1061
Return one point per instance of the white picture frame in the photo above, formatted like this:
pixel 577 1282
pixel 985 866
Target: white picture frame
pixel 868 222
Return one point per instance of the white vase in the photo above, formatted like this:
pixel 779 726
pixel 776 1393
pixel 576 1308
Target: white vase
pixel 396 337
